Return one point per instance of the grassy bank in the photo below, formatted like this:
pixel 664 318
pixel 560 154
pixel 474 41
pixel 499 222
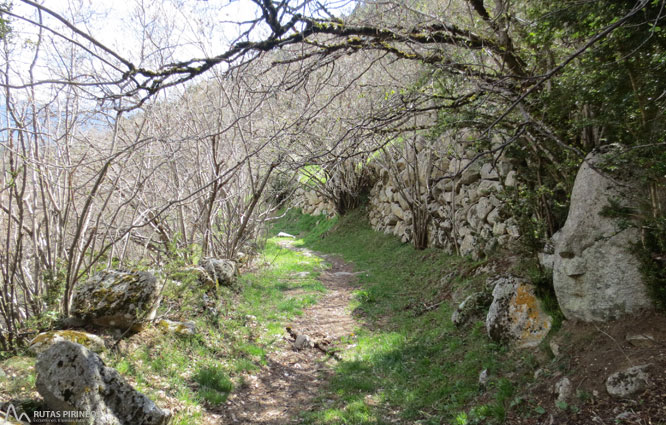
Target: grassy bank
pixel 235 330
pixel 410 363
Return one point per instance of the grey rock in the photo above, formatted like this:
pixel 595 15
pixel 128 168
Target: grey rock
pixel 627 417
pixel 218 272
pixel 628 382
pixel 487 187
pixel 515 314
pixel 483 208
pixel 404 199
pixel 486 232
pixel 510 180
pixel 512 229
pixel 472 195
pixel 563 389
pixel 641 340
pixel 472 218
pixel 493 216
pixel 483 378
pixel 504 167
pixel 595 274
pixel 546 260
pixel 397 211
pixel 471 174
pixel 303 341
pixel 468 245
pixel 116 299
pixel 488 172
pixel 499 229
pixel 491 246
pixel 70 377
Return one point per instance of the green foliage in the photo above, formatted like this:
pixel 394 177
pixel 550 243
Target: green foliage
pixel 311 175
pixel 612 93
pixel 280 186
pixel 540 201
pixel 5 27
pixel 652 255
pixel 54 282
pixel 613 86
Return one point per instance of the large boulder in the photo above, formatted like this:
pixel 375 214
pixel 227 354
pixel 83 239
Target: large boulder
pixel 218 272
pixel 515 315
pixel 46 339
pixel 595 275
pixel 72 378
pixel 116 299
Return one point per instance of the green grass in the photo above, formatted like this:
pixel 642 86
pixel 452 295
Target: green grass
pixel 215 384
pixel 199 372
pixel 407 359
pixel 18 380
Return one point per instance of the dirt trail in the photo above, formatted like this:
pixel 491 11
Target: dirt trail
pixel 290 381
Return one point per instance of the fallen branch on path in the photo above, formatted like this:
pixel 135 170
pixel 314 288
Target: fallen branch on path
pixel 316 345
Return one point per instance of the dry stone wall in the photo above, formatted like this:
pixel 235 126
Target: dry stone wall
pixel 311 202
pixel 466 210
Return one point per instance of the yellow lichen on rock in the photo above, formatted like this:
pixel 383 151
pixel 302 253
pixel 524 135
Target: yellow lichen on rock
pixel 46 339
pixel 182 328
pixel 534 323
pixel 515 314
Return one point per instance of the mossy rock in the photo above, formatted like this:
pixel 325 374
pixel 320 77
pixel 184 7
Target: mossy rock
pixel 116 299
pixel 216 272
pixel 44 340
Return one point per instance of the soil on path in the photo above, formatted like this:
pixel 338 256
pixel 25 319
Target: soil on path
pixel 292 378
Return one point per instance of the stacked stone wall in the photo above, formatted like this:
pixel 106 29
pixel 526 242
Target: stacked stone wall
pixel 467 210
pixel 468 215
pixel 313 203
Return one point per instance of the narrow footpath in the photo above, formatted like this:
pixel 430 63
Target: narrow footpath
pixel 287 386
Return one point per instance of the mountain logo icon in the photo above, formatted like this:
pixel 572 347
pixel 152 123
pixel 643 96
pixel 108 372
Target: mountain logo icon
pixel 11 410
